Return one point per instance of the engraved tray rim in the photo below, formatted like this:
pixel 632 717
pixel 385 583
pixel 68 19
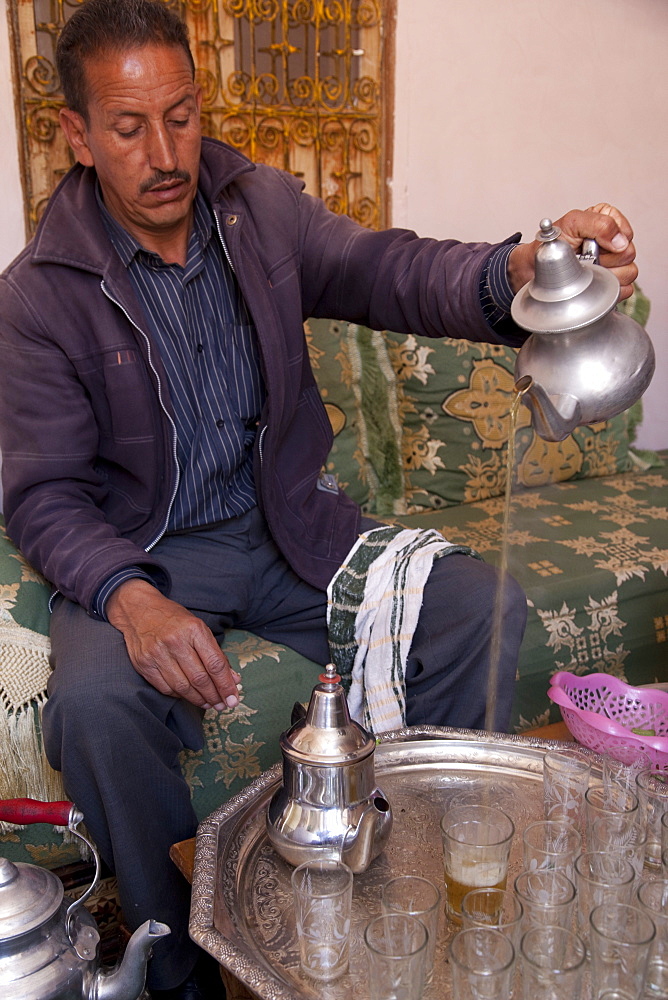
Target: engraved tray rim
pixel 233 952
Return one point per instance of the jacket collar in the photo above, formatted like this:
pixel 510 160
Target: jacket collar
pixel 71 231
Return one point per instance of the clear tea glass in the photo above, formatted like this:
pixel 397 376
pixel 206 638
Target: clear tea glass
pixel 552 844
pixel 652 787
pixel 396 947
pixel 620 941
pixel 498 908
pixel 482 960
pixel 323 897
pixel 565 781
pixel 553 964
pixel 547 897
pixel 422 899
pixel 601 879
pixel 653 899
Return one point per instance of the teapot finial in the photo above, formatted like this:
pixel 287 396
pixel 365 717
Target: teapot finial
pixel 547 231
pixel 330 675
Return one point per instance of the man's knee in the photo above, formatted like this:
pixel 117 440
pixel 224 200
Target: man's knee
pixel 470 589
pixel 466 645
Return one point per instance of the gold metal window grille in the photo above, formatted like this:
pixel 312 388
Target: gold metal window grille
pixel 294 83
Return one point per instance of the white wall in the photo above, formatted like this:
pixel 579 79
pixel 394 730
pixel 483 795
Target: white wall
pixel 507 111
pixel 511 110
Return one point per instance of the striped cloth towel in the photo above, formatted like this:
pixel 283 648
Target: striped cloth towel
pixel 373 606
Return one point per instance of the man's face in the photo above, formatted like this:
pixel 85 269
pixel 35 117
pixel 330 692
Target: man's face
pixel 143 137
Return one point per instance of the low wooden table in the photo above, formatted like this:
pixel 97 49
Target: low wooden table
pixel 183 856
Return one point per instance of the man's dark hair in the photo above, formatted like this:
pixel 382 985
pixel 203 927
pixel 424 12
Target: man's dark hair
pixel 112 26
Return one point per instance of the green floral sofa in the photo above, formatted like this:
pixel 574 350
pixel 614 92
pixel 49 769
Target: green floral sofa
pixel 421 430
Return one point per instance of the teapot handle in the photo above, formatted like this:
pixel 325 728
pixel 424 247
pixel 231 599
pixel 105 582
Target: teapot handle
pixel 26 811
pixel 589 251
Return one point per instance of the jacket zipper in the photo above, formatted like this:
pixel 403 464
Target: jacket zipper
pixel 260 443
pixel 147 548
pixel 229 261
pixel 223 243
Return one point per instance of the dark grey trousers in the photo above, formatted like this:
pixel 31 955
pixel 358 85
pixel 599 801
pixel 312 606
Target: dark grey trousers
pixel 116 739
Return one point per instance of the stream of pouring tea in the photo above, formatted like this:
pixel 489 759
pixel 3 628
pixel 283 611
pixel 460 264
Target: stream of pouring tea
pixel 497 621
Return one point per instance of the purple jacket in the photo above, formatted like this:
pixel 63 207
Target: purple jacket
pixel 86 433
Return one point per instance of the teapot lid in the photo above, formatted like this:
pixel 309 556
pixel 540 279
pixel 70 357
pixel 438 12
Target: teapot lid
pixel 29 896
pixel 564 294
pixel 327 735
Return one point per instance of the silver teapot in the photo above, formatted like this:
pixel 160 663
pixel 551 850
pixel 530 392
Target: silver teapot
pixel 584 361
pixel 48 942
pixel 329 805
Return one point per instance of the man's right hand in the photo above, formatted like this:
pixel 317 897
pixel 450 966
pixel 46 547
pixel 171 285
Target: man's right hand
pixel 171 648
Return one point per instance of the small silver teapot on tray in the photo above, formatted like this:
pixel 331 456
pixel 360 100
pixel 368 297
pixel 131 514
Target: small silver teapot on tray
pixel 584 361
pixel 329 805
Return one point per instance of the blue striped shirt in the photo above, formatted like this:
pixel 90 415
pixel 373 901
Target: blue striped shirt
pixel 197 317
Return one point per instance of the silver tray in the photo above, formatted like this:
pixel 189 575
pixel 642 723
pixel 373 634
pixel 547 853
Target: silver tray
pixel 242 910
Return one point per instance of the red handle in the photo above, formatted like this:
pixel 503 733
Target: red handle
pixel 24 811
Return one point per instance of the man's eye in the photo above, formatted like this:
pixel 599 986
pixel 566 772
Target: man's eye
pixel 128 135
pixel 180 121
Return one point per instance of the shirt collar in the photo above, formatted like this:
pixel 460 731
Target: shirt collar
pixel 128 247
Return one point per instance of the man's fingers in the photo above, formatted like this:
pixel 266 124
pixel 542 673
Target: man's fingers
pixel 604 208
pixel 189 665
pixel 611 230
pixel 164 673
pixel 171 648
pixel 187 677
pixel 220 676
pixel 614 235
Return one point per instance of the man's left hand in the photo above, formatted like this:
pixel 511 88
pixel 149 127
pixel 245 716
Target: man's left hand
pixel 603 223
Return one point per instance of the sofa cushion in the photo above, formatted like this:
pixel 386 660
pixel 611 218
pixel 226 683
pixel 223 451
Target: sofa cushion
pixel 358 384
pixel 23 592
pixel 455 398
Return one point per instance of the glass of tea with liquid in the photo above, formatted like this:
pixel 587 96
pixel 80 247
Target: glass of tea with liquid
pixel 476 847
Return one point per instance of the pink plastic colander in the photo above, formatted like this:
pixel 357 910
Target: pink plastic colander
pixel 601 712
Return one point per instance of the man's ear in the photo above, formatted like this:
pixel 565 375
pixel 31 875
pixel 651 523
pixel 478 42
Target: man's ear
pixel 76 133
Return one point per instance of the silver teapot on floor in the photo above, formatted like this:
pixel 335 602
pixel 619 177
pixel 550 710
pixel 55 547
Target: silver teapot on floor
pixel 329 805
pixel 48 942
pixel 584 361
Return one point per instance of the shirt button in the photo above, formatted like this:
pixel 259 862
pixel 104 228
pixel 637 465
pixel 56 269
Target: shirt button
pixel 231 220
pixel 220 423
pixel 200 348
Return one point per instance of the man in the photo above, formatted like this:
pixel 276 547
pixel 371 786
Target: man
pixel 163 437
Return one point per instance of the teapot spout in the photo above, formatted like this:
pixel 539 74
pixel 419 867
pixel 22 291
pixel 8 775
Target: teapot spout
pixel 364 842
pixel 553 416
pixel 126 982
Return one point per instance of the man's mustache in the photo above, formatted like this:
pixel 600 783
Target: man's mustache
pixel 159 177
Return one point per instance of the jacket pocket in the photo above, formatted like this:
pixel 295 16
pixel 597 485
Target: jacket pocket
pixel 310 443
pixel 127 393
